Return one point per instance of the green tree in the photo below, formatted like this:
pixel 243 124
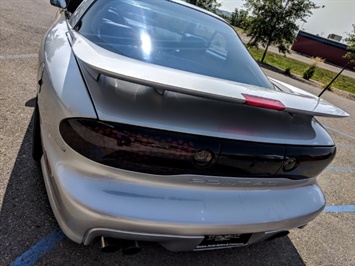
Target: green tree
pixel 274 22
pixel 239 18
pixel 210 5
pixel 233 17
pixel 351 46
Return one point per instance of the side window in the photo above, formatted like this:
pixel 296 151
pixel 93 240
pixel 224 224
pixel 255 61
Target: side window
pixel 218 45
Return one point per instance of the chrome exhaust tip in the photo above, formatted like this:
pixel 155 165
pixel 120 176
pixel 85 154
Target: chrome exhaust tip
pixel 130 247
pixel 109 245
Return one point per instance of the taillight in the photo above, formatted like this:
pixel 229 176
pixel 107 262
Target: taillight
pixel 138 149
pixel 303 161
pixel 263 102
pixel 161 152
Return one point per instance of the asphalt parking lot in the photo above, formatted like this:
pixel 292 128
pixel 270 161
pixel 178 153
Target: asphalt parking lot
pixel 29 232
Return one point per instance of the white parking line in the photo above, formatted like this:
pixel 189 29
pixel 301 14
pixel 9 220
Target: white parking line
pixel 341 133
pixel 340 169
pixel 350 146
pixel 17 56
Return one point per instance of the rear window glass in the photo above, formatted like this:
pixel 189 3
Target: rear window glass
pixel 172 35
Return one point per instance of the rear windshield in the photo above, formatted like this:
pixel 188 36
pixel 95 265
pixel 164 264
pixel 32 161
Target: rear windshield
pixel 172 35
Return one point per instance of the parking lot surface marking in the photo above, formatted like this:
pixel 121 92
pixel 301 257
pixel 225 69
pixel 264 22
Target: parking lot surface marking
pixel 341 133
pixel 17 56
pixel 39 249
pixel 350 146
pixel 340 169
pixel 340 208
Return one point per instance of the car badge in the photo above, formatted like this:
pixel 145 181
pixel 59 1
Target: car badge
pixel 203 157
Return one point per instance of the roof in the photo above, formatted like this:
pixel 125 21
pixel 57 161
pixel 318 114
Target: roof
pixel 322 40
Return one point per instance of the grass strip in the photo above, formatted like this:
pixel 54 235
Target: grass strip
pixel 321 75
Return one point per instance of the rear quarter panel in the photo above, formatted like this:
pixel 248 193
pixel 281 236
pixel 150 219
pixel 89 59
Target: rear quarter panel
pixel 63 92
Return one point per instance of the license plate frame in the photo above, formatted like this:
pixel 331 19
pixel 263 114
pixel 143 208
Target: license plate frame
pixel 223 241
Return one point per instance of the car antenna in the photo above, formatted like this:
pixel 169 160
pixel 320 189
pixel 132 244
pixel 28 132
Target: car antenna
pixel 328 86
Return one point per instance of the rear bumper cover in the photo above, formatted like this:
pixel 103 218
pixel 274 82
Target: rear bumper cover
pixel 90 200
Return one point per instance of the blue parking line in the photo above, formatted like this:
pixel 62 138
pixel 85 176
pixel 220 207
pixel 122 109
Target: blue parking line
pixel 39 249
pixel 341 133
pixel 340 208
pixel 340 169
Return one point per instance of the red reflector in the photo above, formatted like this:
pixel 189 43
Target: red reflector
pixel 263 102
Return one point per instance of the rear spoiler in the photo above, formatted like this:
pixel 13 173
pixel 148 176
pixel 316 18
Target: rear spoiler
pixel 101 61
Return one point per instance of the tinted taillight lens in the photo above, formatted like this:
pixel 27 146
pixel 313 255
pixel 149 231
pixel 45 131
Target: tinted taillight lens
pixel 163 152
pixel 303 161
pixel 139 149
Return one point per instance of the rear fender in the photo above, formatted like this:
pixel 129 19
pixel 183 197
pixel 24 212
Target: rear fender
pixel 62 91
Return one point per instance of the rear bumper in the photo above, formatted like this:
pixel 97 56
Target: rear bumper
pixel 90 200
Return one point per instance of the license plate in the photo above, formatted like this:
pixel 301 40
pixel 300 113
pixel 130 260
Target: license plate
pixel 223 241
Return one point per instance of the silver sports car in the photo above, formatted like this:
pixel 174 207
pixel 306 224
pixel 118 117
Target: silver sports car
pixel 154 123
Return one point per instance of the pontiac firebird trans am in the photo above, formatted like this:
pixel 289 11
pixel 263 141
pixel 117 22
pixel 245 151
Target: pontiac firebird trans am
pixel 154 123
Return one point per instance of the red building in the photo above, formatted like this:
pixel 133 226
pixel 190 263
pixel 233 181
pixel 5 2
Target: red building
pixel 316 46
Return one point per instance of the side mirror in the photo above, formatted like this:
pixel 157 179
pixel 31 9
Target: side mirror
pixel 59 3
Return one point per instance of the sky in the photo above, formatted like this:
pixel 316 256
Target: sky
pixel 336 17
